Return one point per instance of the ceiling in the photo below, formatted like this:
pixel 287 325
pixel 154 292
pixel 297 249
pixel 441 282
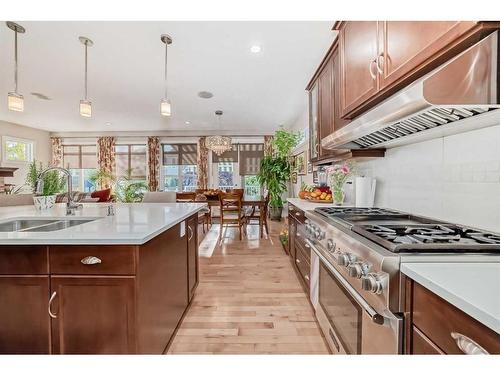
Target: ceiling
pixel 257 91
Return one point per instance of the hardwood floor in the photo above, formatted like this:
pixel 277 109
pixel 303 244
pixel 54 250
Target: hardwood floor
pixel 249 301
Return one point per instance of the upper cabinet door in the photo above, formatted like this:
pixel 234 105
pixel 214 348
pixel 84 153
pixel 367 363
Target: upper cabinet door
pixel 325 82
pixel 359 48
pixel 313 123
pixel 409 44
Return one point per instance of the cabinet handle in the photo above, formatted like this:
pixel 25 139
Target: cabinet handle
pixel 467 345
pixel 52 315
pixel 370 66
pixel 297 214
pixel 297 261
pixel 91 260
pixel 306 277
pixel 307 246
pixel 190 233
pixel 379 64
pixel 298 234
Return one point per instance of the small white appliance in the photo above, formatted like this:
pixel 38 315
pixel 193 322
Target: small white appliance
pixel 365 191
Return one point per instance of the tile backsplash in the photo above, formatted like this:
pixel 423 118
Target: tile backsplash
pixel 455 178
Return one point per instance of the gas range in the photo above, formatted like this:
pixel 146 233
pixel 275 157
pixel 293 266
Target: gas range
pixel 366 246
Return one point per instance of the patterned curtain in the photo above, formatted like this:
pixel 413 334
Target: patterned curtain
pixel 153 163
pixel 106 156
pixel 202 164
pixel 268 145
pixel 57 152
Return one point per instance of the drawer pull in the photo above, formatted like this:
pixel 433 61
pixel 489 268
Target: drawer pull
pixel 297 261
pixel 51 314
pixel 91 260
pixel 306 277
pixel 307 246
pixel 298 234
pixel 297 214
pixel 467 345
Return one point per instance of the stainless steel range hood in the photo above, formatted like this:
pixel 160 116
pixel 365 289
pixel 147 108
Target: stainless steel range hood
pixel 461 95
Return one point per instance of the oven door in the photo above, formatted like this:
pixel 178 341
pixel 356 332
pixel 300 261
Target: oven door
pixel 350 325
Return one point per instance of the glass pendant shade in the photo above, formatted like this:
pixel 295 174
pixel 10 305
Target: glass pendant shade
pixel 85 108
pixel 165 107
pixel 15 102
pixel 219 144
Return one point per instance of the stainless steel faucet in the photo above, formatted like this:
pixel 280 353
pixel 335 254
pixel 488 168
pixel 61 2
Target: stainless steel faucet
pixel 71 206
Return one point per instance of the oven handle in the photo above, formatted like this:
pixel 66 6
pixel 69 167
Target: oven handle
pixel 374 315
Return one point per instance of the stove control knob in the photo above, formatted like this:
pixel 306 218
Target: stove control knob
pixel 372 283
pixel 330 245
pixel 344 259
pixel 355 270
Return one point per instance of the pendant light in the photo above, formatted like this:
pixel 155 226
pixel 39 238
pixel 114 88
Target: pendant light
pixel 219 143
pixel 165 105
pixel 85 104
pixel 15 101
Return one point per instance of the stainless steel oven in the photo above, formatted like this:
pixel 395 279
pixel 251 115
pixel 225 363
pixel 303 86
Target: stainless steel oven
pixel 349 323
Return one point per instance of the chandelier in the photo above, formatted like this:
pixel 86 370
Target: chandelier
pixel 219 143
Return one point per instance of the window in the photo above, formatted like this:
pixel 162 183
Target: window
pixel 251 155
pixel 81 160
pixel 179 172
pixel 18 150
pixel 225 169
pixel 131 160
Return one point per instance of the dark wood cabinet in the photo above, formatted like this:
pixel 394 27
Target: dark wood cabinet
pixel 192 246
pixel 325 105
pixel 126 299
pixel 378 58
pixel 359 48
pixel 300 255
pixel 93 315
pixel 24 322
pixel 434 326
pixel 408 44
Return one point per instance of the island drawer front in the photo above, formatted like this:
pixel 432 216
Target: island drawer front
pixel 297 213
pixel 92 260
pixel 437 319
pixel 24 260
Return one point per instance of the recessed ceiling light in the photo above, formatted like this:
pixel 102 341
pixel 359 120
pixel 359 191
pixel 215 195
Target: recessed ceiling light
pixel 205 94
pixel 108 124
pixel 187 123
pixel 255 48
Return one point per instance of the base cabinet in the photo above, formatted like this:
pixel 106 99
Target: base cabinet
pixel 24 322
pixel 122 299
pixel 93 315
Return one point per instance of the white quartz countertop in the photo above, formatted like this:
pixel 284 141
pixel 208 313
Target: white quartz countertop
pixel 134 223
pixel 307 205
pixel 471 287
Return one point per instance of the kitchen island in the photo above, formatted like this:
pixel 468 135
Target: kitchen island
pixel 93 283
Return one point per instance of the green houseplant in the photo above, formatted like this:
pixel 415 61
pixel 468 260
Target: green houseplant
pixel 53 183
pixel 275 170
pixel 129 191
pixel 100 179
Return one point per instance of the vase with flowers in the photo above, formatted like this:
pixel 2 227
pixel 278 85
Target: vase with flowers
pixel 339 174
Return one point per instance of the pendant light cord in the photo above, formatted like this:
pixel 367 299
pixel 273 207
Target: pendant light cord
pixel 15 60
pixel 86 70
pixel 166 55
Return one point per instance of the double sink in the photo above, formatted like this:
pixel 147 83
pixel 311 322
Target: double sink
pixel 41 225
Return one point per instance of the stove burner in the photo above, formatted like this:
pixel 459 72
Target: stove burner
pixel 341 211
pixel 429 237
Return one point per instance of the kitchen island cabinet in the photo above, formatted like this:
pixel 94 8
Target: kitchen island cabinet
pixel 99 299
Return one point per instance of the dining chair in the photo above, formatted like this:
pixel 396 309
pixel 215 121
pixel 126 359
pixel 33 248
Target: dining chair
pixel 259 214
pixel 205 215
pixel 231 212
pixel 237 191
pixel 159 197
pixel 185 196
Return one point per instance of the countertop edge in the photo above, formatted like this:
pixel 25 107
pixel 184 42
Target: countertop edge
pixel 480 315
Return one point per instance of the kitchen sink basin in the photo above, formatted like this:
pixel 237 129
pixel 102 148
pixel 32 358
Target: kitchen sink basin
pixel 40 225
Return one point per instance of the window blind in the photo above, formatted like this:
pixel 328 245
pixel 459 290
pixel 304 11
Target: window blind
pixel 251 155
pixel 180 154
pixel 80 156
pixel 227 157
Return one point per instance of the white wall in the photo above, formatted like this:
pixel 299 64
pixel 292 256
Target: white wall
pixel 41 139
pixel 301 123
pixel 456 178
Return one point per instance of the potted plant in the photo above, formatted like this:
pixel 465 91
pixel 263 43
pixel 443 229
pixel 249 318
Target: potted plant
pixel 53 184
pixel 101 179
pixel 129 191
pixel 275 170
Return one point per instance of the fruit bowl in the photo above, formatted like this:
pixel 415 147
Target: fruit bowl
pixel 320 194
